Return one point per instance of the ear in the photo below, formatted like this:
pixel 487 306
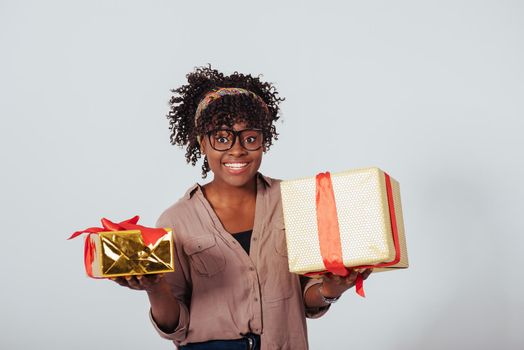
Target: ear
pixel 202 143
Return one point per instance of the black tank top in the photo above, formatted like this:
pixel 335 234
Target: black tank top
pixel 244 238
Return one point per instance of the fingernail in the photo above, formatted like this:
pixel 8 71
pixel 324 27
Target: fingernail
pixel 128 278
pixel 139 277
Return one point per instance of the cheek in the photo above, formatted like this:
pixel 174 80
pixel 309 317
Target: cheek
pixel 214 162
pixel 214 159
pixel 258 158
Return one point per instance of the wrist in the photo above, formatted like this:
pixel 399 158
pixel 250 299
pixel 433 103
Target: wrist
pixel 327 293
pixel 326 297
pixel 159 289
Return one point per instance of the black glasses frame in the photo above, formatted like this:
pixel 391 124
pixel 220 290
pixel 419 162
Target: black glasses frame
pixel 235 134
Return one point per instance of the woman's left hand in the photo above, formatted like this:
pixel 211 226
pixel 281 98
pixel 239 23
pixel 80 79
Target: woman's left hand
pixel 333 285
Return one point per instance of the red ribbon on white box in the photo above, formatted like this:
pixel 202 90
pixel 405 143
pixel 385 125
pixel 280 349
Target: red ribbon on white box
pixel 329 230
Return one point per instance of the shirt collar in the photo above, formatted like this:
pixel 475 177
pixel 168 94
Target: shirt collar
pixel 266 181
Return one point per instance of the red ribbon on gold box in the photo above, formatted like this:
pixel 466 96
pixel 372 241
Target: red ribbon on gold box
pixel 126 248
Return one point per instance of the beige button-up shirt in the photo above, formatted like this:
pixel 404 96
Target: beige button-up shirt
pixel 224 292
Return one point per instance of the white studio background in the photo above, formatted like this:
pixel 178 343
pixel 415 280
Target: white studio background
pixel 430 91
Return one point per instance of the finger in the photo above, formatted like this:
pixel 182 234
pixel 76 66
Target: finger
pixel 349 282
pixel 366 273
pixel 338 279
pixel 148 282
pixel 155 278
pixel 351 278
pixel 327 276
pixel 133 282
pixel 121 281
pixel 144 281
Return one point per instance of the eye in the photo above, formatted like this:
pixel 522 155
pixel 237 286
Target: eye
pixel 250 139
pixel 251 136
pixel 222 136
pixel 221 139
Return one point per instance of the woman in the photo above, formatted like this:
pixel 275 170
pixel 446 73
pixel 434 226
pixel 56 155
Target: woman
pixel 232 288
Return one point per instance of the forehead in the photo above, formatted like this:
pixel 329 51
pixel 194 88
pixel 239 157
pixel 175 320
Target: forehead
pixel 237 123
pixel 237 126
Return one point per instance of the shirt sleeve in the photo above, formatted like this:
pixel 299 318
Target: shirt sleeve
pixel 180 331
pixel 312 312
pixel 181 287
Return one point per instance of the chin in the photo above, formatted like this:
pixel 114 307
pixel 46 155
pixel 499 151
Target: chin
pixel 238 181
pixel 236 178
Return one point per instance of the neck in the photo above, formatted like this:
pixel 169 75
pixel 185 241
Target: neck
pixel 222 194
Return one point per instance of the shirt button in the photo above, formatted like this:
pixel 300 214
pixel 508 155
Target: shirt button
pixel 256 299
pixel 254 238
pixel 251 268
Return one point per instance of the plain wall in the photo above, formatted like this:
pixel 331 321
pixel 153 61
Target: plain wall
pixel 430 91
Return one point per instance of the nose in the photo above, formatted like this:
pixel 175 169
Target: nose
pixel 237 150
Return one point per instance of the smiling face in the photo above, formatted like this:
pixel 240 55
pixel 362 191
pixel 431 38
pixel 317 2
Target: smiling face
pixel 235 167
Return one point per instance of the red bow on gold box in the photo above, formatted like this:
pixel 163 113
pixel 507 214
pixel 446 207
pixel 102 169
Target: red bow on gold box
pixel 125 248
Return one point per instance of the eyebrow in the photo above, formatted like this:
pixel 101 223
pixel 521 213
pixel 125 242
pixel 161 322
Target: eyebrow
pixel 230 129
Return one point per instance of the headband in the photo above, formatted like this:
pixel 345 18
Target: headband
pixel 227 91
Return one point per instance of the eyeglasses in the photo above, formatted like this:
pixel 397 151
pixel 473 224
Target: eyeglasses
pixel 224 139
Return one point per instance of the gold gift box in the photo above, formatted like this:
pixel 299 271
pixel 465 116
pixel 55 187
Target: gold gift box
pixel 362 208
pixel 123 253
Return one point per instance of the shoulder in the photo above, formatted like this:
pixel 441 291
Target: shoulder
pixel 271 184
pixel 179 210
pixel 271 203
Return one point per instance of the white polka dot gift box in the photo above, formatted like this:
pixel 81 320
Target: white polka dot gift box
pixel 351 219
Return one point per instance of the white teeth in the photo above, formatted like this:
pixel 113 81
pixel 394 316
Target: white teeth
pixel 235 165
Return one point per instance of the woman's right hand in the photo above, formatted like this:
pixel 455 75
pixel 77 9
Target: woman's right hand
pixel 149 283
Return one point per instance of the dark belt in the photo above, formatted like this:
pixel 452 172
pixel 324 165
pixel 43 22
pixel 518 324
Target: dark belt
pixel 249 341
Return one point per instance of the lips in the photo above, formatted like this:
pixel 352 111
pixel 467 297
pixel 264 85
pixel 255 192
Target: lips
pixel 236 167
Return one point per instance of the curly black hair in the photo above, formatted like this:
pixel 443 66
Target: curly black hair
pixel 227 110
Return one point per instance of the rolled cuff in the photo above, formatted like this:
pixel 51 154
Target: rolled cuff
pixel 314 312
pixel 180 332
